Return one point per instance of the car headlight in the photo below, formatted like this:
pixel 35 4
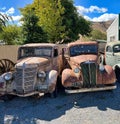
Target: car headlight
pixel 41 74
pixel 8 76
pixel 76 70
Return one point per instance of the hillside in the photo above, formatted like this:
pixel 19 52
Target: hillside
pixel 102 26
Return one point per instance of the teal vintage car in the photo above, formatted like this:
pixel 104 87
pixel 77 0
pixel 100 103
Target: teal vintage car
pixel 112 56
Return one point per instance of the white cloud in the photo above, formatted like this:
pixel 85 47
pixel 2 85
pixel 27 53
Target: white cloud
pixel 3 8
pixel 91 9
pixel 16 18
pixel 87 18
pixel 104 17
pixel 10 11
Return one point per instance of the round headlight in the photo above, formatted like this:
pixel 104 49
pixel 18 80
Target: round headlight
pixel 8 76
pixel 41 74
pixel 76 70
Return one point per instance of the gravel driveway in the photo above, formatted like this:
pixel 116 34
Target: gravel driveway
pixel 83 108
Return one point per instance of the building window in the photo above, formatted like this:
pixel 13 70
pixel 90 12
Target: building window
pixel 112 38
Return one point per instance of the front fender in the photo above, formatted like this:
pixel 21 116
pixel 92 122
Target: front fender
pixel 116 65
pixel 52 77
pixel 2 82
pixel 69 78
pixel 107 77
pixel 52 80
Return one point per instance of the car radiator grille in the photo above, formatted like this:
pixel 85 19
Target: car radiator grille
pixel 89 74
pixel 25 79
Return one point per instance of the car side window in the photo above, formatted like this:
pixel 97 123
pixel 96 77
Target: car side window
pixel 55 52
pixel 108 49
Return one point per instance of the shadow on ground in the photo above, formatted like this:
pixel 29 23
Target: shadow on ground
pixel 28 110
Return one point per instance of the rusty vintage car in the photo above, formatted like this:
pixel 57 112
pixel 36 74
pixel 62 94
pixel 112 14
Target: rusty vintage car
pixel 35 72
pixel 112 56
pixel 84 71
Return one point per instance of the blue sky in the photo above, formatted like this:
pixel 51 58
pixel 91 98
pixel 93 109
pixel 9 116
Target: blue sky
pixel 93 10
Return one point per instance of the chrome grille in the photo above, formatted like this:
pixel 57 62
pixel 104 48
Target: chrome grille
pixel 89 73
pixel 25 79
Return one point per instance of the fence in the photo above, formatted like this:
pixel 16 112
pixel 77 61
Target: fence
pixel 9 52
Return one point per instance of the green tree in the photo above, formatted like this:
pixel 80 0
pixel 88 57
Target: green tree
pixel 50 18
pixel 74 24
pixel 32 32
pixel 11 35
pixel 4 20
pixel 97 34
pixel 58 18
pixel 85 26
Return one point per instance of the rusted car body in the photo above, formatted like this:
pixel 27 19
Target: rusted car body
pixel 36 71
pixel 112 56
pixel 84 72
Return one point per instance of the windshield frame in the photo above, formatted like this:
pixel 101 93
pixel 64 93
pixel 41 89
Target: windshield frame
pixel 81 51
pixel 32 51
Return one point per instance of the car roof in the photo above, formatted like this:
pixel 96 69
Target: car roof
pixel 39 44
pixel 78 42
pixel 112 43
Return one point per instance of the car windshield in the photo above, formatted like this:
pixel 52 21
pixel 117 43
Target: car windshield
pixel 83 49
pixel 35 51
pixel 116 48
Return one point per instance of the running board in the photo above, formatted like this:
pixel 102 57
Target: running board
pixel 90 89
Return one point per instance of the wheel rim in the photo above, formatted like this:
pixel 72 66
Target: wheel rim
pixel 6 65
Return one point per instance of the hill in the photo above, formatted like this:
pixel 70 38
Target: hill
pixel 102 26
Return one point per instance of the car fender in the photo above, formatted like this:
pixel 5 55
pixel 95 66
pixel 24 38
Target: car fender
pixel 69 77
pixel 2 81
pixel 52 77
pixel 116 65
pixel 109 75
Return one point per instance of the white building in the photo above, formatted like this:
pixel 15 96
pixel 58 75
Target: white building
pixel 113 32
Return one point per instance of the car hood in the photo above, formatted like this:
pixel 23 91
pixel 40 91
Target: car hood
pixel 82 58
pixel 32 61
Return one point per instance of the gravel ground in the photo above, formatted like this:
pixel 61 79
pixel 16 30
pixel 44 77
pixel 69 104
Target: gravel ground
pixel 83 108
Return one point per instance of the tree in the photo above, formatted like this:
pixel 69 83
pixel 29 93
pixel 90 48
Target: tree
pixel 97 34
pixel 32 32
pixel 74 23
pixel 84 26
pixel 58 18
pixel 3 20
pixel 50 18
pixel 11 35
